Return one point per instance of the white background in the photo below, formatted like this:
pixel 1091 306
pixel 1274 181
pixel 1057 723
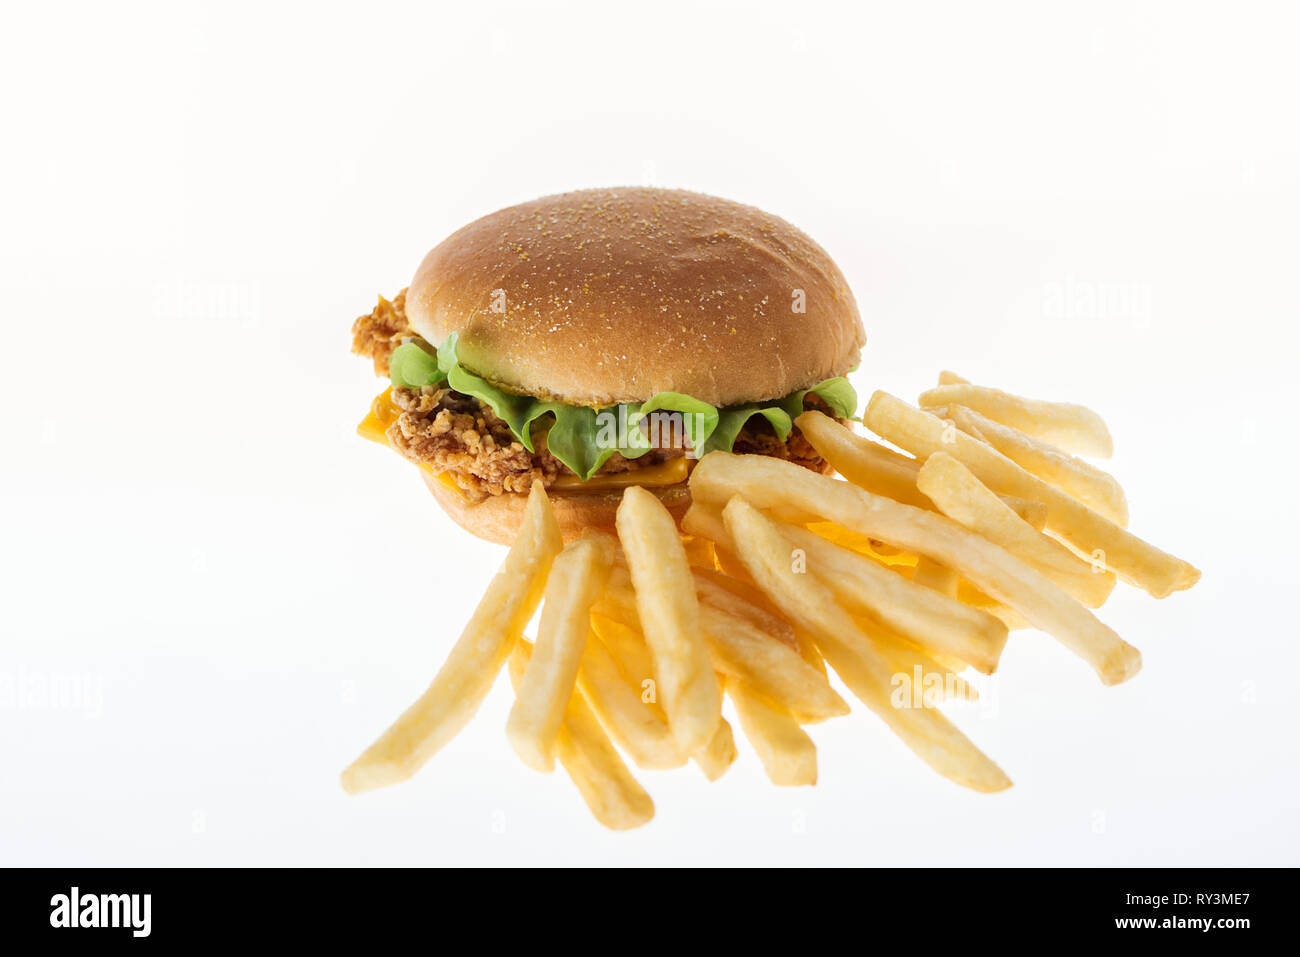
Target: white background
pixel 1092 202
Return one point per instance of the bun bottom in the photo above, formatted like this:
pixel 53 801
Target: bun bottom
pixel 497 518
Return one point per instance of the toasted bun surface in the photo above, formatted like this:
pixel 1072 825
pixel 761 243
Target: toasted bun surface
pixel 497 518
pixel 612 295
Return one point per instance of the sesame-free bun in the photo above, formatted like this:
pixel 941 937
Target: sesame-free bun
pixel 497 518
pixel 612 295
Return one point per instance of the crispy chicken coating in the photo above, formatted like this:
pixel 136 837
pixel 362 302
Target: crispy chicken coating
pixel 376 335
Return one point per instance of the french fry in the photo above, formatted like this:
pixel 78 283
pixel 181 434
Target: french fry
pixel 619 599
pixel 877 551
pixel 635 722
pixel 612 794
pixel 877 469
pixel 719 755
pixel 740 649
pixel 670 618
pixel 637 726
pixel 963 498
pixel 772 484
pixel 766 666
pixel 577 579
pixel 739 600
pixel 930 574
pixel 851 653
pixel 936 681
pixel 1033 513
pixel 1079 479
pixel 477 657
pixel 861 461
pixel 944 412
pixel 714 588
pixel 788 755
pixel 951 378
pixel 737 581
pixel 1074 428
pixel 1133 559
pixel 809 652
pixel 622 638
pixel 931 619
pixel 968 594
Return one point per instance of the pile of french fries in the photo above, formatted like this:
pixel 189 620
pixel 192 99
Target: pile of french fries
pixel 898 579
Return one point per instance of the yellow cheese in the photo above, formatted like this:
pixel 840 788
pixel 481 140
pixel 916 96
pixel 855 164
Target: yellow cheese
pixel 666 473
pixel 383 413
pixel 443 477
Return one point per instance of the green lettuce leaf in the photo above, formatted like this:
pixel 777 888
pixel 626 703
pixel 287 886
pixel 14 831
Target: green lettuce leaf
pixel 411 367
pixel 585 438
pixel 732 419
pixel 836 393
pixel 699 419
pixel 573 440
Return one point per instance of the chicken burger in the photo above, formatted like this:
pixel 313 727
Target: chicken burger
pixel 606 338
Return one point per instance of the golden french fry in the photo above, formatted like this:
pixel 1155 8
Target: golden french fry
pixel 951 378
pixel 736 580
pixel 712 587
pixel 1074 428
pixel 577 579
pixel 935 621
pixel 773 484
pixel 618 602
pixel 743 601
pixel 1079 479
pixel 623 709
pixel 629 711
pixel 930 574
pixel 766 666
pixel 877 551
pixel 1133 559
pixel 862 461
pixel 637 726
pixel 915 672
pixel 808 602
pixel 742 650
pixel 809 652
pixel 478 655
pixel 881 470
pixel 929 618
pixel 622 638
pixel 963 498
pixel 789 756
pixel 968 594
pixel 670 618
pixel 611 793
pixel 719 755
pixel 1034 513
pixel 875 468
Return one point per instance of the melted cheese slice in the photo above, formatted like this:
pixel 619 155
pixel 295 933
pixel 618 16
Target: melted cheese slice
pixel 384 412
pixel 666 473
